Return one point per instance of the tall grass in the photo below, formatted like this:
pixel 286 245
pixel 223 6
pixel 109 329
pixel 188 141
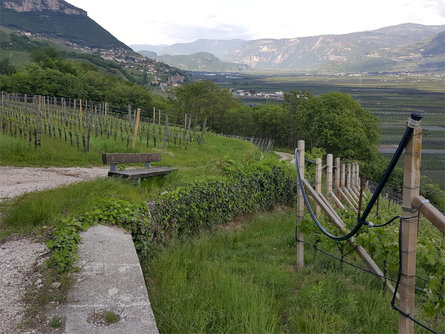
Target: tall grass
pixel 30 212
pixel 243 280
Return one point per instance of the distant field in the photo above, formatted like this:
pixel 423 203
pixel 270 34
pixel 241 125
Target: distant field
pixel 390 98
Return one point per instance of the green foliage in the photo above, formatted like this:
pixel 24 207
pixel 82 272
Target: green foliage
pixel 6 68
pixel 56 322
pixel 65 238
pixel 382 244
pixel 242 279
pixel 216 200
pixel 42 54
pixel 205 99
pixel 19 43
pixel 184 211
pixel 110 317
pixel 53 76
pixel 333 121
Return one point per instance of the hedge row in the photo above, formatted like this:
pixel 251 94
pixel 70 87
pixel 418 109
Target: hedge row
pixel 242 189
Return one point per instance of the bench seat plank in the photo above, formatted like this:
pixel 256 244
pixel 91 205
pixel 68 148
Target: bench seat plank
pixel 122 158
pixel 138 173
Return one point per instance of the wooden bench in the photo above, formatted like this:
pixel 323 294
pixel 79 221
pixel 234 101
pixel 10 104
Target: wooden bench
pixel 113 159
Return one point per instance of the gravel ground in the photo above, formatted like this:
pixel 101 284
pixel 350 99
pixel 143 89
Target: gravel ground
pixel 19 256
pixel 18 262
pixel 15 181
pixel 286 156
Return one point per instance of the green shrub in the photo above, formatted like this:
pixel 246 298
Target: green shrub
pixel 244 189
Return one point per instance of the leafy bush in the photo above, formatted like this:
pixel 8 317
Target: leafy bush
pixel 64 240
pixel 244 189
pixel 206 202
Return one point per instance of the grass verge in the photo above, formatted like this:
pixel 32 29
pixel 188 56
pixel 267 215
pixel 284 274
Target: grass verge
pixel 243 279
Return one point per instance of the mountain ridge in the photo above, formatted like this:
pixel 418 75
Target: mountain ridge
pixel 42 5
pixel 393 48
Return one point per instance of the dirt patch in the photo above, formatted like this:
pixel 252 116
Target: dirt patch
pixel 15 181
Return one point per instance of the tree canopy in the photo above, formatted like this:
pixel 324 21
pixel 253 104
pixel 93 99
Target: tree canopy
pixel 53 76
pixel 205 99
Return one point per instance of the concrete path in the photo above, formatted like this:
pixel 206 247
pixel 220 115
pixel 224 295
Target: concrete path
pixel 110 279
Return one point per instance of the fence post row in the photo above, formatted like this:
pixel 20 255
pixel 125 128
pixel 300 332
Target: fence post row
pixel 72 120
pixel 347 186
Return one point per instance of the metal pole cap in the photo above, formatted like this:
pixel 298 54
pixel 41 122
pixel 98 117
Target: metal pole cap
pixel 414 120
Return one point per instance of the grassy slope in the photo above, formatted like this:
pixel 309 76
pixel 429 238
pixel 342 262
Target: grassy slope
pixel 33 211
pixel 244 281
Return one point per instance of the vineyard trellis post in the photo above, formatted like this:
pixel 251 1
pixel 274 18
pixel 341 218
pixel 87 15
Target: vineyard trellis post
pixel 329 160
pixel 318 180
pixel 136 126
pixel 409 227
pixel 300 208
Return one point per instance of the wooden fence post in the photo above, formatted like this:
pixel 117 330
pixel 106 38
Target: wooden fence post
pixel 136 127
pixel 348 176
pixel 337 174
pixel 318 177
pixel 343 176
pixel 300 207
pixel 409 226
pixel 329 161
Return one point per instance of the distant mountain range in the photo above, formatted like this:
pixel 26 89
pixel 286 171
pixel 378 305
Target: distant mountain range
pixel 29 24
pixel 405 47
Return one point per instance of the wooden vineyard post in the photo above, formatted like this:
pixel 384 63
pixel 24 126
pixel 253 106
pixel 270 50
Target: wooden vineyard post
pixel 39 124
pixel 154 115
pixel 408 229
pixel 136 127
pixel 165 132
pixel 348 176
pixel 329 161
pixel 318 177
pixel 337 174
pixel 300 207
pixel 353 185
pixel 80 111
pixel 203 131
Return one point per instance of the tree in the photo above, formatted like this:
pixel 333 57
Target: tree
pixel 339 124
pixel 6 67
pixel 41 54
pixel 204 99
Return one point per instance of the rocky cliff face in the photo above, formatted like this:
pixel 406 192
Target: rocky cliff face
pixel 41 5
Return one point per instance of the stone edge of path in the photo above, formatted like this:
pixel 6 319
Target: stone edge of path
pixel 110 279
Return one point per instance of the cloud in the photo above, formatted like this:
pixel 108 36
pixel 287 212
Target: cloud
pixel 172 21
pixel 190 33
pixel 438 5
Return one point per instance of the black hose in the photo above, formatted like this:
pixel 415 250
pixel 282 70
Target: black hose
pixel 415 117
pixel 306 201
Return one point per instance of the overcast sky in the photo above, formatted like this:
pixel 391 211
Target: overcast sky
pixel 175 21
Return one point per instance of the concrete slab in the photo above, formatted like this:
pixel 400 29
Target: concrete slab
pixel 110 279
